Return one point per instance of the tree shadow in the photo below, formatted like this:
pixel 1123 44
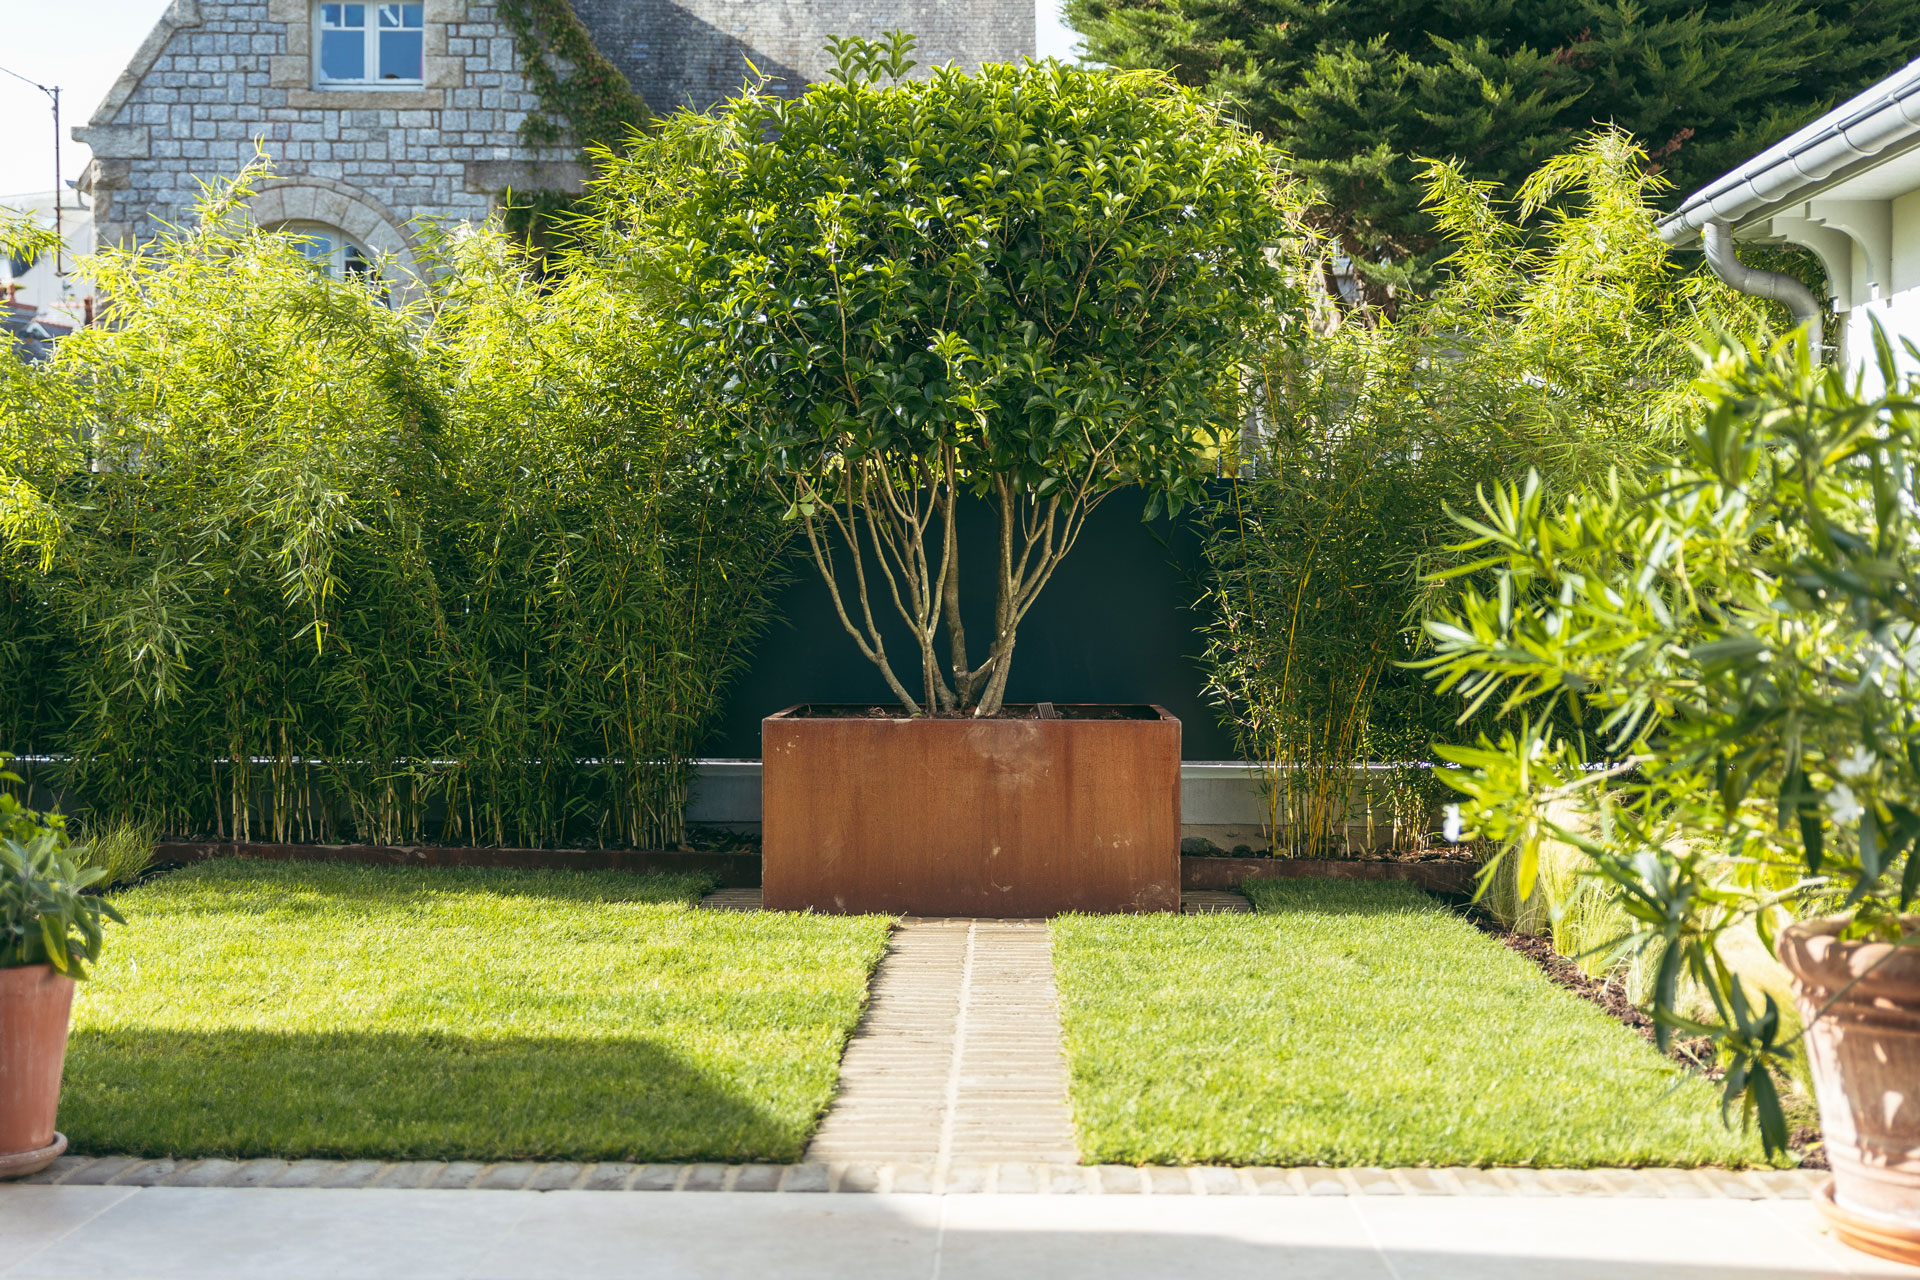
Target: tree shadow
pixel 674 59
pixel 407 1096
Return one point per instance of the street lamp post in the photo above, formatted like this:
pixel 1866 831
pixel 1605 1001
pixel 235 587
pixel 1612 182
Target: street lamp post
pixel 59 192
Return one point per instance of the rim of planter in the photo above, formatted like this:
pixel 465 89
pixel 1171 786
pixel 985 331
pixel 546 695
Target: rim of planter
pixel 1082 712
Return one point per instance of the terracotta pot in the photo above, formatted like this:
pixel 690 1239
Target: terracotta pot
pixel 1060 809
pixel 35 1002
pixel 1865 1052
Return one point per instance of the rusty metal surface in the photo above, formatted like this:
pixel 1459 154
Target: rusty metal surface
pixel 730 870
pixel 989 818
pixel 1449 878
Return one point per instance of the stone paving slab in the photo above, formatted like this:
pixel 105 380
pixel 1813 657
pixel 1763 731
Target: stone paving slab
pixel 959 1178
pixel 227 1233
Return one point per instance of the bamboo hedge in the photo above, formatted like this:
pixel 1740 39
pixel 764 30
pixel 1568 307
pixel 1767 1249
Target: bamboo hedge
pixel 1562 344
pixel 287 558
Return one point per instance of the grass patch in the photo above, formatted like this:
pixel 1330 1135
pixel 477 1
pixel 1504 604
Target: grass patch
pixel 1350 1023
pixel 289 1009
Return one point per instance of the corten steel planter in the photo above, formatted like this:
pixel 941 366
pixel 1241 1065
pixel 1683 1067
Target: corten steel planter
pixel 1031 814
pixel 1865 1053
pixel 35 1002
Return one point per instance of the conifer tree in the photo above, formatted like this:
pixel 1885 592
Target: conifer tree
pixel 1359 90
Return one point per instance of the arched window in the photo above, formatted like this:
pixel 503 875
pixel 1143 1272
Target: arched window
pixel 329 249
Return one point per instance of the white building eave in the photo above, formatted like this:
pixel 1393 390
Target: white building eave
pixel 1867 130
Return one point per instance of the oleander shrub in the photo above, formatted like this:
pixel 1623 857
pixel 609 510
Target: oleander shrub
pixel 1736 636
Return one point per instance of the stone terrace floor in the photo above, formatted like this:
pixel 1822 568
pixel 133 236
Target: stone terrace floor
pixel 254 1233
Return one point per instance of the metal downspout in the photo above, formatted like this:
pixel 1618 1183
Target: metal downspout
pixel 1717 236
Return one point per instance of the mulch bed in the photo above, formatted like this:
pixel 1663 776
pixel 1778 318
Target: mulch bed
pixel 1696 1053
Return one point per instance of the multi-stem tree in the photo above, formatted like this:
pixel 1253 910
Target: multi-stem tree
pixel 1034 284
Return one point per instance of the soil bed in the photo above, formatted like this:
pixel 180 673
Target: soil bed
pixel 1201 847
pixel 730 870
pixel 1449 878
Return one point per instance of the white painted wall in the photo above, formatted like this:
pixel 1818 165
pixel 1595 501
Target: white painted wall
pixel 1891 299
pixel 1899 316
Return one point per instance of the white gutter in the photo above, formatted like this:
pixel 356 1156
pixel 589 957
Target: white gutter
pixel 1883 120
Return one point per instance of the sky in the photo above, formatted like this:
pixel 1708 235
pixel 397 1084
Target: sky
pixel 81 46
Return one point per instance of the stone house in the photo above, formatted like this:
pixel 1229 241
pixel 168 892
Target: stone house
pixel 381 114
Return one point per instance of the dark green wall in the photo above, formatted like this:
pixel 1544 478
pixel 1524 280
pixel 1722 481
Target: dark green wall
pixel 1116 624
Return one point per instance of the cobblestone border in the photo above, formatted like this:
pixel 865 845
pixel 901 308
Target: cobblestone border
pixel 1040 1179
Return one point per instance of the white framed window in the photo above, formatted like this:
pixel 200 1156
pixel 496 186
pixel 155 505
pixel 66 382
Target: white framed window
pixel 329 250
pixel 362 45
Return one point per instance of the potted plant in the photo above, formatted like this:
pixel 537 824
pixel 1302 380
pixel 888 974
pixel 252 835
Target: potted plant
pixel 1740 636
pixel 1026 288
pixel 50 930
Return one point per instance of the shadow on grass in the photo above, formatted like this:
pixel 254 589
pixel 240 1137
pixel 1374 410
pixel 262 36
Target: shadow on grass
pixel 1328 897
pixel 398 1096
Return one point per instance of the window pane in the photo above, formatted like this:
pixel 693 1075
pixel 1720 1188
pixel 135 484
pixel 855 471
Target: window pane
pixel 400 55
pixel 412 15
pixel 393 16
pixel 317 247
pixel 343 55
pixel 356 15
pixel 329 15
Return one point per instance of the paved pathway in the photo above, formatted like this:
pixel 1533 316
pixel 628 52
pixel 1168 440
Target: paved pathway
pixel 159 1233
pixel 958 1059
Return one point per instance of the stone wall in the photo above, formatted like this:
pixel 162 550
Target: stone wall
pixel 216 76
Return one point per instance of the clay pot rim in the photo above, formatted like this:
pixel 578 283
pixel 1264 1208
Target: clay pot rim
pixel 1814 954
pixel 22 1164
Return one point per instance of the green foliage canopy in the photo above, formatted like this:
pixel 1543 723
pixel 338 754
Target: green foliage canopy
pixel 1034 283
pixel 1356 90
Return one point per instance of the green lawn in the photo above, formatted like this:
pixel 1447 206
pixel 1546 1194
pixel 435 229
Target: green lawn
pixel 287 1009
pixel 1350 1023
